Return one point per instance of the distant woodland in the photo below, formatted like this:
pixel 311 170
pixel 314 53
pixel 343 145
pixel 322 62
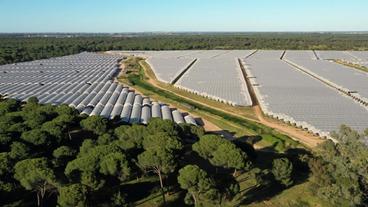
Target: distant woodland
pixel 17 48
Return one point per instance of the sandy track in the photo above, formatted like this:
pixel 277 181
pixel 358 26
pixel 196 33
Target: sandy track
pixel 296 134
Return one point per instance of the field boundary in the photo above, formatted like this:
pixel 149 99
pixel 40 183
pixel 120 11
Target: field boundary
pixel 177 78
pixel 251 54
pixel 249 85
pixel 315 54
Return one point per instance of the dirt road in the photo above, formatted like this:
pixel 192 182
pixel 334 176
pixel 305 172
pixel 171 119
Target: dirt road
pixel 296 134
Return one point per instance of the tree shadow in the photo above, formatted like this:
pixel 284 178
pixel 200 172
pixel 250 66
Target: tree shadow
pixel 299 157
pixel 224 133
pixel 264 161
pixel 251 139
pixel 265 156
pixel 28 199
pixel 178 201
pixel 199 121
pixel 194 159
pixel 261 193
pixel 138 191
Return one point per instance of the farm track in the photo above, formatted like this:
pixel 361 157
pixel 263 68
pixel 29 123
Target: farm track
pixel 299 135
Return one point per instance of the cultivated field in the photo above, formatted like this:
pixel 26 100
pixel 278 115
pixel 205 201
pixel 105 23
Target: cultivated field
pixel 286 93
pixel 86 82
pixel 302 88
pixel 306 89
pixel 350 81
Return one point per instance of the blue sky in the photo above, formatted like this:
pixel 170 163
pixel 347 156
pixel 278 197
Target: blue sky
pixel 182 15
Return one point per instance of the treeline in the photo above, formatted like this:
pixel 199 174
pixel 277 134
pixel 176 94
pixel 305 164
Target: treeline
pixel 340 171
pixel 16 49
pixel 51 155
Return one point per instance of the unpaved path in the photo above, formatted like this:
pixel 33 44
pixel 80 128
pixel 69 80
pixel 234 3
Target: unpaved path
pixel 296 134
pixel 210 127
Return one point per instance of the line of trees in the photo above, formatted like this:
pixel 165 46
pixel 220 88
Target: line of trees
pixel 51 155
pixel 15 48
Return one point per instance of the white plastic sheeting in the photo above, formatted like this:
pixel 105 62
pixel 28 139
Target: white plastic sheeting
pixel 290 95
pixel 331 54
pixel 216 74
pixel 218 78
pixel 346 79
pixel 167 69
pixel 83 81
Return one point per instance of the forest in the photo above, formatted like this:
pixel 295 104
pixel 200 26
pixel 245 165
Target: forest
pixel 19 48
pixel 52 156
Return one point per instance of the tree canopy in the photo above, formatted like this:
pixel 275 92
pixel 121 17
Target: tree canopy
pixel 91 167
pixel 196 182
pixel 73 195
pixel 35 174
pixel 282 169
pixel 221 152
pixel 160 155
pixel 73 160
pixel 96 124
pixel 340 170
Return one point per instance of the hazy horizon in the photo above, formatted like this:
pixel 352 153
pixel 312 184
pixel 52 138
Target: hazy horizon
pixel 188 32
